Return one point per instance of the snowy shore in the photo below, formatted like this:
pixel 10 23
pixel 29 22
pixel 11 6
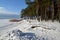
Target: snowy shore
pixel 23 30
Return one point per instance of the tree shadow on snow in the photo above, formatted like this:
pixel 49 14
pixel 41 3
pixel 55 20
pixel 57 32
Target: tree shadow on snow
pixel 22 34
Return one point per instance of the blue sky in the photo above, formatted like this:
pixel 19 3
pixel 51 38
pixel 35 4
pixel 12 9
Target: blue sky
pixel 12 6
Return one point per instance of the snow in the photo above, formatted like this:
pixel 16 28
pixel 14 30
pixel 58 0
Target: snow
pixel 22 30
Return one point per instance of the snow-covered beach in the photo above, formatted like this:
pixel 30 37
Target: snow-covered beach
pixel 23 30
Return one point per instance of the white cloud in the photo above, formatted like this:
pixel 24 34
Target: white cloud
pixel 3 10
pixel 1 7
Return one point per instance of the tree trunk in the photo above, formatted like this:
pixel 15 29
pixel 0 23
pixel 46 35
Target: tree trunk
pixel 59 16
pixel 37 8
pixel 45 13
pixel 59 11
pixel 52 11
pixel 37 11
pixel 41 13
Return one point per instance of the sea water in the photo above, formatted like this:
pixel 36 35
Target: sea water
pixel 6 25
pixel 4 22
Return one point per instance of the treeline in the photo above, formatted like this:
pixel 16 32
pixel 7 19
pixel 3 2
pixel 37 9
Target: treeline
pixel 46 9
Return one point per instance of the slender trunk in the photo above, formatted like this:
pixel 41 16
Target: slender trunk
pixel 59 11
pixel 37 11
pixel 52 11
pixel 37 8
pixel 41 13
pixel 45 14
pixel 59 16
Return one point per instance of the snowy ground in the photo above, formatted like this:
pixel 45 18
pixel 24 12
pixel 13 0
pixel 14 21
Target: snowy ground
pixel 23 31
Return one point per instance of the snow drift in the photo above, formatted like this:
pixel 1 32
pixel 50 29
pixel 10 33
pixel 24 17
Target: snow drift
pixel 42 31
